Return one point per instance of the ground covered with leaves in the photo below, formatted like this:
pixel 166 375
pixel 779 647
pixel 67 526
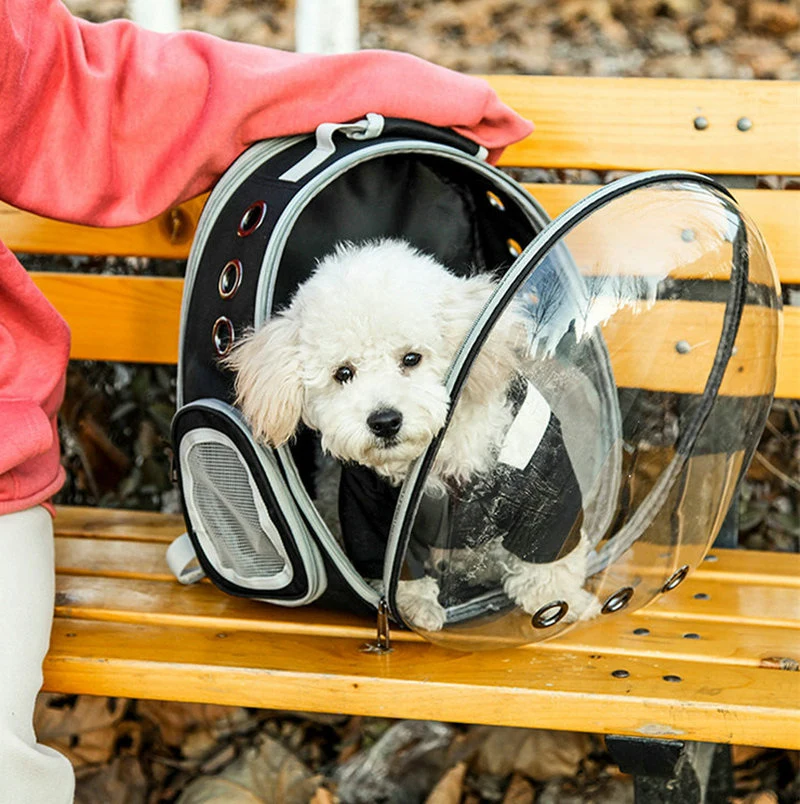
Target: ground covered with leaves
pixel 115 429
pixel 151 752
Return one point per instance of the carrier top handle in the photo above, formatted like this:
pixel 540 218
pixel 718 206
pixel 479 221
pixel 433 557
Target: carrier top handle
pixel 372 127
pixel 411 129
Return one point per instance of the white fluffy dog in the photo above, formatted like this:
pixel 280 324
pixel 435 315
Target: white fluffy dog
pixel 361 356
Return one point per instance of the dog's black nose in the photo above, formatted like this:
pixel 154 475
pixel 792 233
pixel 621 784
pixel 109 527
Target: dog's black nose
pixel 385 422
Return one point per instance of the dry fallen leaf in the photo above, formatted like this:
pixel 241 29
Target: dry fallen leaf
pixel 121 781
pixel 520 791
pixel 83 727
pixel 536 753
pixel 176 720
pixel 218 790
pixel 450 787
pixel 323 796
pixel 266 773
pixel 762 797
pixel 744 753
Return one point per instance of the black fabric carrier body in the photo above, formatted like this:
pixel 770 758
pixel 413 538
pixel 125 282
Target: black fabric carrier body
pixel 249 510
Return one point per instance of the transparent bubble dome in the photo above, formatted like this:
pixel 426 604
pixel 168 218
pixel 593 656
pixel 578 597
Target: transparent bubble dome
pixel 639 334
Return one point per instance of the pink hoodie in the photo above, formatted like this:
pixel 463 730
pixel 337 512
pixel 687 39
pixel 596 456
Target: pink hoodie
pixel 110 125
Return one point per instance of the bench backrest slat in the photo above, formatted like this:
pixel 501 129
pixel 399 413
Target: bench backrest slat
pixel 169 236
pixel 649 123
pixel 776 213
pixel 137 319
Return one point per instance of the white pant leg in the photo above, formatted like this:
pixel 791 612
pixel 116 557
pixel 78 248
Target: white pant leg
pixel 29 773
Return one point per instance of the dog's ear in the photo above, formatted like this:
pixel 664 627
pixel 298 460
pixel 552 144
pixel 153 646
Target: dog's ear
pixel 269 386
pixel 498 359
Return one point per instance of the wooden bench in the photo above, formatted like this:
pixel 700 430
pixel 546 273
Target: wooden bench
pixel 124 627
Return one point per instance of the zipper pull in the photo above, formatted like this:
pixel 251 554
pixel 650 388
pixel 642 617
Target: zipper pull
pixel 173 467
pixel 383 642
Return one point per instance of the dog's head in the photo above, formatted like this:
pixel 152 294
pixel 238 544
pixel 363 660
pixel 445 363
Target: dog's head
pixel 361 355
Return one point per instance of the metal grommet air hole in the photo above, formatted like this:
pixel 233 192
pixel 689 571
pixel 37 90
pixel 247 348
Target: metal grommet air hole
pixel 702 596
pixel 691 635
pixel 676 578
pixel 222 335
pixel 620 673
pixel 230 278
pixel 701 123
pixel 550 614
pixel 744 124
pixel 641 631
pixel 495 201
pixel 618 600
pixel 683 347
pixel 253 218
pixel 673 679
pixel 514 248
pixel 711 558
pixel 688 235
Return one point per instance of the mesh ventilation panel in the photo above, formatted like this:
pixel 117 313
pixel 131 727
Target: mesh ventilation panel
pixel 245 547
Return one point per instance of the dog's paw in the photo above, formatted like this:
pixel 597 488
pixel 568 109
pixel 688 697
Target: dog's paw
pixel 583 605
pixel 531 597
pixel 533 586
pixel 418 602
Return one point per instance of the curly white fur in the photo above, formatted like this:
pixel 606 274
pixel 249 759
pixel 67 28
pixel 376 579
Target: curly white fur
pixel 338 354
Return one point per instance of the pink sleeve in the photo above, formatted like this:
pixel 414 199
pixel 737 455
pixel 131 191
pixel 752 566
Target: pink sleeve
pixel 34 347
pixel 111 124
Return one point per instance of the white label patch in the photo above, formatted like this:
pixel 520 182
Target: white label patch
pixel 526 431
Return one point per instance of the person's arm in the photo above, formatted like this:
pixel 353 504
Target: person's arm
pixel 111 124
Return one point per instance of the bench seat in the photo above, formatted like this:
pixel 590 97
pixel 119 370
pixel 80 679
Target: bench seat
pixel 125 627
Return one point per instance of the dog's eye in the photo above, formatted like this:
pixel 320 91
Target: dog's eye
pixel 411 359
pixel 344 374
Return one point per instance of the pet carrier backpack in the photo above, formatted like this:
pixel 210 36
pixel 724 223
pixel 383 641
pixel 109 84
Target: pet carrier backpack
pixel 644 305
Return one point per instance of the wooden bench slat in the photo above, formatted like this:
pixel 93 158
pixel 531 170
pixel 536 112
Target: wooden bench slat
pixel 105 600
pixel 641 343
pixel 753 645
pixel 125 318
pixel 137 319
pixel 77 529
pixel 789 367
pixel 775 212
pixel 750 566
pixel 730 603
pixel 112 558
pixel 117 558
pixel 169 236
pixel 136 600
pixel 527 688
pixel 113 523
pixel 645 123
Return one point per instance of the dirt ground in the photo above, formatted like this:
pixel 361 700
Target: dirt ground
pixel 671 38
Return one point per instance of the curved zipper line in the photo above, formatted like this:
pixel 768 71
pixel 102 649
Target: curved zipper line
pixel 534 253
pixel 223 191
